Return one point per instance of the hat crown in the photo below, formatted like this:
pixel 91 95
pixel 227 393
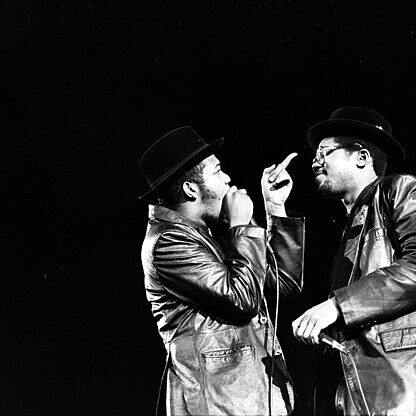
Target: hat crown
pixel 173 154
pixel 170 150
pixel 363 115
pixel 361 123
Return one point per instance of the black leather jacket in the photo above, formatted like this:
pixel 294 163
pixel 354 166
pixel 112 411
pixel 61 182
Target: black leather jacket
pixel 207 295
pixel 375 287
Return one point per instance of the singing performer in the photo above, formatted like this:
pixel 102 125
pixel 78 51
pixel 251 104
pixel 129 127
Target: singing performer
pixel 207 268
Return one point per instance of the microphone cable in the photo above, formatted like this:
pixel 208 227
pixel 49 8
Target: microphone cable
pixel 274 327
pixel 325 339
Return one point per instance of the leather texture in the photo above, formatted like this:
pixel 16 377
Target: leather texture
pixel 374 277
pixel 206 290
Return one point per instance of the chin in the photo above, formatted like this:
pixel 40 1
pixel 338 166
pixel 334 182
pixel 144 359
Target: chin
pixel 325 188
pixel 327 191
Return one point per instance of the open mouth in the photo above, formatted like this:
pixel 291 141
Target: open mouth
pixel 319 173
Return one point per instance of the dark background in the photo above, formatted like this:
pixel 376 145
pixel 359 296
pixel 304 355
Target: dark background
pixel 86 86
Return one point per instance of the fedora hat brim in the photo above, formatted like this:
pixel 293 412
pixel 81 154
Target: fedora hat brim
pixel 365 131
pixel 187 163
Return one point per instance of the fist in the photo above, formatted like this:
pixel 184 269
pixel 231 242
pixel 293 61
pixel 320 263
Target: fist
pixel 238 206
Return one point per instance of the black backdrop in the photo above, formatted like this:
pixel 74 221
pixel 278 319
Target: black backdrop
pixel 86 86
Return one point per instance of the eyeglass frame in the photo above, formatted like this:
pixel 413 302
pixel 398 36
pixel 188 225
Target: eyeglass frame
pixel 323 151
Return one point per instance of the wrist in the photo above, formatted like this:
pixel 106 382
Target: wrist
pixel 278 210
pixel 236 224
pixel 336 306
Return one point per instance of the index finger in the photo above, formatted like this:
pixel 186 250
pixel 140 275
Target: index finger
pixel 287 160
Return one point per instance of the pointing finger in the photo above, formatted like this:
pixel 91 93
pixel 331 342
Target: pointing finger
pixel 282 166
pixel 287 160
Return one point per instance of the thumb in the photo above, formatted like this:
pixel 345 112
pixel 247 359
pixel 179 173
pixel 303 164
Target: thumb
pixel 269 169
pixel 232 190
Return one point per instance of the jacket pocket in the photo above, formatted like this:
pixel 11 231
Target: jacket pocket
pixel 223 359
pixel 235 384
pixel 398 339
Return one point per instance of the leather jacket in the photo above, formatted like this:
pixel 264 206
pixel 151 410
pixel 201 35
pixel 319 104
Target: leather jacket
pixel 374 283
pixel 207 296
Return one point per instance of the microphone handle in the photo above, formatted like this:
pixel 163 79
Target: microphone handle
pixel 325 339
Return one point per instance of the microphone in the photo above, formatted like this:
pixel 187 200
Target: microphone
pixel 325 339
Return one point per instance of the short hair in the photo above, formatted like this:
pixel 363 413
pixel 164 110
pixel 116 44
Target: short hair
pixel 170 194
pixel 378 155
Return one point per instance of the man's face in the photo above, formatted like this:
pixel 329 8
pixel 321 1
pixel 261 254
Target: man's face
pixel 334 175
pixel 213 189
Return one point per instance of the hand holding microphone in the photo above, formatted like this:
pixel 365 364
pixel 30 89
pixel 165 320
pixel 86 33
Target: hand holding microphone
pixel 307 328
pixel 238 207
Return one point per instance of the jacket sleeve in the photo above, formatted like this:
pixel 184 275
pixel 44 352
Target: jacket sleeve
pixel 286 255
pixel 388 292
pixel 191 269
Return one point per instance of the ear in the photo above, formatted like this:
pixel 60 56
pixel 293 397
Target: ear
pixel 190 190
pixel 363 158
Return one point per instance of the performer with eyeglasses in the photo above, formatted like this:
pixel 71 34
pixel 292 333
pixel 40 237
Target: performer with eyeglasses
pixel 371 309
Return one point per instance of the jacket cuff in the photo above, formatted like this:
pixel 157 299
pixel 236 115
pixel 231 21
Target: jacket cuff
pixel 348 311
pixel 247 231
pixel 277 225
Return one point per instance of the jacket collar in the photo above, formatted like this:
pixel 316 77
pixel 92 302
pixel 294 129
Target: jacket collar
pixel 365 195
pixel 165 214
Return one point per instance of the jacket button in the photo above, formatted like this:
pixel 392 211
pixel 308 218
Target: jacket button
pixel 263 320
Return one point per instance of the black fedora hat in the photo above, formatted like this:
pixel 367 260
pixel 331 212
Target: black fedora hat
pixel 172 155
pixel 362 123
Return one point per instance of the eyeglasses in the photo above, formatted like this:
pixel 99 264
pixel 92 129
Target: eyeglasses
pixel 322 152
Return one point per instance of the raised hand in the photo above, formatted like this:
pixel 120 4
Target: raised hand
pixel 276 185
